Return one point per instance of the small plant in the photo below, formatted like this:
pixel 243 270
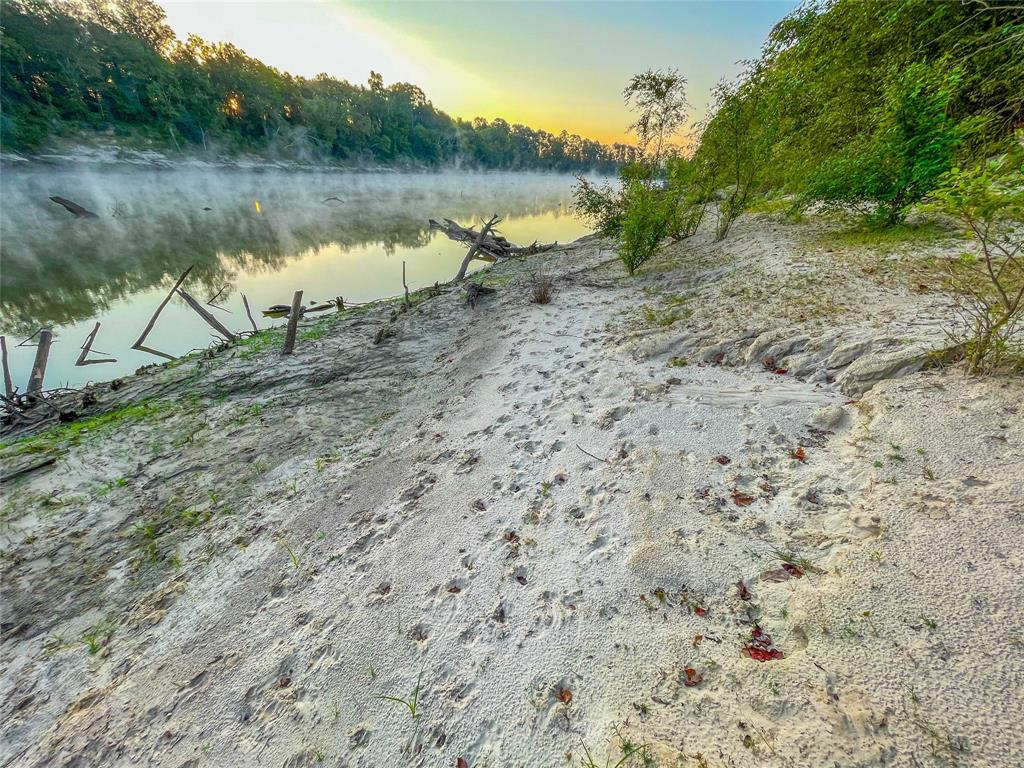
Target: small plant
pixel 988 200
pixel 412 702
pixel 541 285
pixel 97 636
pixel 291 553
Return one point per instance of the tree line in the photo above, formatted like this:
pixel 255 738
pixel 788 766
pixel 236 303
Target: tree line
pixel 116 67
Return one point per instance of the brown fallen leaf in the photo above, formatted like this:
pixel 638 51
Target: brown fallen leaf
pixel 741 499
pixel 742 591
pixel 776 575
pixel 454 589
pixel 565 696
pixel 461 763
pixel 723 460
pixel 800 455
pixel 793 570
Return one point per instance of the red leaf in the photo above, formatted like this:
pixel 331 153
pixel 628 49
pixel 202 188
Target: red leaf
pixel 723 460
pixel 760 654
pixel 741 499
pixel 742 590
pixel 792 570
pixel 800 455
pixel 565 695
pixel 700 610
pixel 461 763
pixel 760 647
pixel 780 371
pixel 693 677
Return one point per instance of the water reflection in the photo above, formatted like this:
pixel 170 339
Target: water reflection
pixel 261 233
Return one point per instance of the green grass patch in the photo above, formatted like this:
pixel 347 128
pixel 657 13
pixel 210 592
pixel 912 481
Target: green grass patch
pixel 74 432
pixel 864 236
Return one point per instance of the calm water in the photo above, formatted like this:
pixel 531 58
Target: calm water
pixel 264 234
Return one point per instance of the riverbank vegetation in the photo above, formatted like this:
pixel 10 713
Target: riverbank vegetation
pixel 116 68
pixel 862 109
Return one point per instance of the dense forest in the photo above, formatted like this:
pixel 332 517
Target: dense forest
pixel 116 67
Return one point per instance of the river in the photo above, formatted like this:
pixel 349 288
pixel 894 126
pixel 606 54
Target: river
pixel 264 234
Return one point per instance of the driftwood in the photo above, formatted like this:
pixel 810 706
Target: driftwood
pixel 474 291
pixel 293 323
pixel 75 208
pixel 87 348
pixel 35 379
pixel 8 384
pixel 207 316
pixel 245 303
pixel 405 302
pixel 487 244
pixel 152 321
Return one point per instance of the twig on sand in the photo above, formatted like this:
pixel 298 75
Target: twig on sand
pixel 592 455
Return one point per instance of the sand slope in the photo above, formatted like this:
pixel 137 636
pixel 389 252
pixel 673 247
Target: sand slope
pixel 538 516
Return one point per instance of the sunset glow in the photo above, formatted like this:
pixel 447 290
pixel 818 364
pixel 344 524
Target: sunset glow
pixel 497 59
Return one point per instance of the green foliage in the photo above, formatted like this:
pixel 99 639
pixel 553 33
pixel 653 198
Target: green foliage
pixel 645 223
pixel 659 99
pixel 988 283
pixel 116 68
pixel 912 142
pixel 864 106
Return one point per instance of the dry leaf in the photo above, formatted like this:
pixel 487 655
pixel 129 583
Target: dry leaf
pixel 741 499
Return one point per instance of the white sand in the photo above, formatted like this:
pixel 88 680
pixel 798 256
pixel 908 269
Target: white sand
pixel 472 540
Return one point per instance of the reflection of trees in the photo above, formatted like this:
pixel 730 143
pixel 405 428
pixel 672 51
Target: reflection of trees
pixel 58 270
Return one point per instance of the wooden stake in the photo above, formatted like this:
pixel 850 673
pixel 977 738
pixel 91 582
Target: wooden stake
pixel 245 301
pixel 35 379
pixel 8 384
pixel 152 321
pixel 214 323
pixel 87 348
pixel 293 323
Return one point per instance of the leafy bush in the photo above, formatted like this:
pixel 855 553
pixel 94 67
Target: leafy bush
pixel 645 223
pixel 884 172
pixel 600 205
pixel 988 200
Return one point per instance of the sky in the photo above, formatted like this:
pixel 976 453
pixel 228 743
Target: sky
pixel 550 65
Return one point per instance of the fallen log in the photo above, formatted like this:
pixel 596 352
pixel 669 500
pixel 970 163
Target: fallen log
pixel 487 244
pixel 72 207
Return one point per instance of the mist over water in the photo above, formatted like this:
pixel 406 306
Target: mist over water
pixel 261 233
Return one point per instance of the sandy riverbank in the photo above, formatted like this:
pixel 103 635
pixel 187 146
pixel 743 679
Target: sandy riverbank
pixel 542 513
